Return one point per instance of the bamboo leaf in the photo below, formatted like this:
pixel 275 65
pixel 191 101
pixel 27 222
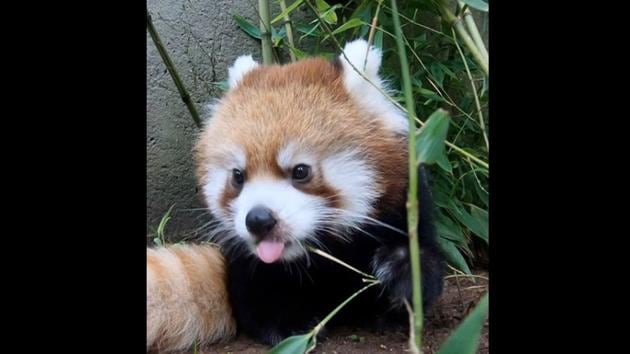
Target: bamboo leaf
pixel 293 345
pixel 353 22
pixel 287 11
pixel 475 224
pixel 298 53
pixel 444 163
pixel 327 12
pixel 465 339
pixel 481 216
pixel 438 73
pixel 378 40
pixel 247 27
pixel 453 255
pixel 448 229
pixel 430 141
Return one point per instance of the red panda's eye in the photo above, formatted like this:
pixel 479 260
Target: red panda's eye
pixel 238 178
pixel 301 172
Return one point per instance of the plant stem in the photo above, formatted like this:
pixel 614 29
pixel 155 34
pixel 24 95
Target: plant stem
pixel 371 35
pixel 326 255
pixel 419 24
pixel 467 154
pixel 482 123
pixel 338 308
pixel 183 93
pixel 474 31
pixel 412 197
pixel 289 28
pixel 265 32
pixel 456 22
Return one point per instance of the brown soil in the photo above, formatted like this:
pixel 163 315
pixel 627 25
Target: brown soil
pixel 453 306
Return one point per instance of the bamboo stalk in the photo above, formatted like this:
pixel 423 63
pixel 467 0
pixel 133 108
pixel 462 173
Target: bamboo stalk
pixel 412 197
pixel 339 261
pixel 183 93
pixel 371 34
pixel 265 32
pixel 289 28
pixel 474 31
pixel 482 123
pixel 456 22
pixel 321 325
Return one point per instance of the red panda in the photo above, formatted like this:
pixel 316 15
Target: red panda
pixel 187 301
pixel 312 154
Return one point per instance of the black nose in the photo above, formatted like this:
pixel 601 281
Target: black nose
pixel 260 221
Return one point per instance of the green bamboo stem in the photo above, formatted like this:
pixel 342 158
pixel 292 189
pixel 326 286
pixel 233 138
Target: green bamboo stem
pixel 371 35
pixel 482 123
pixel 337 260
pixel 265 32
pixel 419 24
pixel 456 22
pixel 289 28
pixel 183 93
pixel 338 308
pixel 474 31
pixel 412 199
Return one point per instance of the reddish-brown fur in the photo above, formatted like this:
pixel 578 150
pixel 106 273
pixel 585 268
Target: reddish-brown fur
pixel 304 102
pixel 187 297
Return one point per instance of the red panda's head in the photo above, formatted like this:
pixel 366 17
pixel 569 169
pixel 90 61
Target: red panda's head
pixel 294 150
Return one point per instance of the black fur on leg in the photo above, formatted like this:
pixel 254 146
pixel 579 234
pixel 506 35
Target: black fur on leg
pixel 392 263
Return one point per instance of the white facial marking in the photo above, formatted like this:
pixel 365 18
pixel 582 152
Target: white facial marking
pixel 299 214
pixel 242 65
pixel 296 210
pixel 291 155
pixel 354 180
pixel 364 93
pixel 218 177
pixel 213 190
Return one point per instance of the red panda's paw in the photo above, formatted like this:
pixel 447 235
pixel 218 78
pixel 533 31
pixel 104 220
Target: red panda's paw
pixel 392 266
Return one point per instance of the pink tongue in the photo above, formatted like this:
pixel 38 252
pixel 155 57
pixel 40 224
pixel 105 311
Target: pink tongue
pixel 269 251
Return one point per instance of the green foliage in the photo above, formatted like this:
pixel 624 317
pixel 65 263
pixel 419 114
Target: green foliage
pixel 247 27
pixel 294 344
pixel 430 140
pixel 439 82
pixel 465 339
pixel 160 236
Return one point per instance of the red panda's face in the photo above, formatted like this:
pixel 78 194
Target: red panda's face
pixel 299 152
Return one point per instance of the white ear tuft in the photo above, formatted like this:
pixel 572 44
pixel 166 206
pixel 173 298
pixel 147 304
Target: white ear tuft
pixel 356 52
pixel 242 65
pixel 368 94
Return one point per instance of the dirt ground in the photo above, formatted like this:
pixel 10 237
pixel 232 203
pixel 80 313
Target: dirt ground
pixel 453 306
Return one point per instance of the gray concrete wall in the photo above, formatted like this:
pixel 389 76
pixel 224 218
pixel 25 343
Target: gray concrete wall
pixel 202 40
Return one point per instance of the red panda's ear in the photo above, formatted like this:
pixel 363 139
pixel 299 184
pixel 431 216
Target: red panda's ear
pixel 355 53
pixel 369 93
pixel 242 65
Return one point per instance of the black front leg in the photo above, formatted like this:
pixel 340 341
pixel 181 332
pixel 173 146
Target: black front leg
pixel 392 263
pixel 392 266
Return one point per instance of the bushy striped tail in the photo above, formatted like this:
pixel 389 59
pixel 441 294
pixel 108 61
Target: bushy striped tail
pixel 187 298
